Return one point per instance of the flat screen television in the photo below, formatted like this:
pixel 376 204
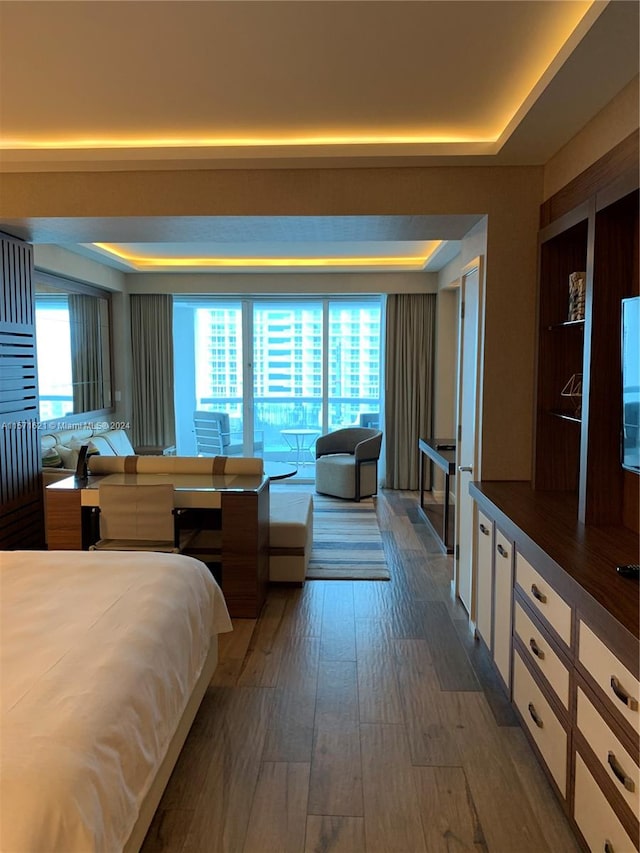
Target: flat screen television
pixel 630 450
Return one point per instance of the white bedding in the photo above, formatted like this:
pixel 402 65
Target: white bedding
pixel 100 652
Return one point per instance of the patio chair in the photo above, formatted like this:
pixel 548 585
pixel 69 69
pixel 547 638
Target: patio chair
pixel 214 436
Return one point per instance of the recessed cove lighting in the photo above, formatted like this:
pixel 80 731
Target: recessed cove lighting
pixel 149 262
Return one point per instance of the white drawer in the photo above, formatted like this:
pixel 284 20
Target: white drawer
pixel 544 598
pixel 620 686
pixel 502 599
pixel 615 759
pixel 597 820
pixel 543 655
pixel 546 729
pixel 484 590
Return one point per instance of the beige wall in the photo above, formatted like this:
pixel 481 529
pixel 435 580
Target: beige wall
pixel 446 375
pixel 509 196
pixel 284 283
pixel 446 371
pixel 609 127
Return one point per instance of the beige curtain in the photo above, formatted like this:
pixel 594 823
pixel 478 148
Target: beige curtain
pixel 153 421
pixel 409 357
pixel 86 353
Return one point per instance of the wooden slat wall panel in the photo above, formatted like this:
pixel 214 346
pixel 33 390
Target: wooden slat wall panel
pixel 21 509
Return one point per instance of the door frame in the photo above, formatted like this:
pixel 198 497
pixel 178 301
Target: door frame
pixel 477 263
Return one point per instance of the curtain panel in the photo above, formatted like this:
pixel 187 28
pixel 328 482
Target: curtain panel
pixel 86 353
pixel 153 421
pixel 409 370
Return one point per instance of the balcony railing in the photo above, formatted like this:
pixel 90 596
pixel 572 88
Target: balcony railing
pixel 274 414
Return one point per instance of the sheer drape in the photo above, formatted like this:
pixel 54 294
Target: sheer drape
pixel 409 356
pixel 153 422
pixel 86 353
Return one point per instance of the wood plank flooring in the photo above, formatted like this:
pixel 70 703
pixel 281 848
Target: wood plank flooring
pixel 359 717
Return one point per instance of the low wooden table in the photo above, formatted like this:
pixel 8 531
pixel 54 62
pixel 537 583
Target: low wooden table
pixel 439 517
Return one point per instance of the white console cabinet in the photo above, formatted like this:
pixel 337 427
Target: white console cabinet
pixel 494 593
pixel 569 662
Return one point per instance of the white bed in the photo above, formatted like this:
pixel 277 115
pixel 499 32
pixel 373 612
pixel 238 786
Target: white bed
pixel 105 658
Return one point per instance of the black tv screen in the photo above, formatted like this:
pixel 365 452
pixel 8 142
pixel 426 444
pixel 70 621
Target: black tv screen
pixel 631 383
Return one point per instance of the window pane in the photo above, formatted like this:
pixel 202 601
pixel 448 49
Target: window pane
pixel 354 363
pixel 53 337
pixel 208 369
pixel 287 377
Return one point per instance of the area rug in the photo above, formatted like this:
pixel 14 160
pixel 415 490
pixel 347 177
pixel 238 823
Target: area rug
pixel 347 544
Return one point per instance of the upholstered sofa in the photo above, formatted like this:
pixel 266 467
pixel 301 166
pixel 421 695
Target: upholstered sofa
pixel 59 450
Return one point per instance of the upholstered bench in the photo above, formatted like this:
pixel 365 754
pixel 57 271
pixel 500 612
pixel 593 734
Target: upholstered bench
pixel 290 536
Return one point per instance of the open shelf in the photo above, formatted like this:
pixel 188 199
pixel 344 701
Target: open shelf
pixel 566 416
pixel 567 324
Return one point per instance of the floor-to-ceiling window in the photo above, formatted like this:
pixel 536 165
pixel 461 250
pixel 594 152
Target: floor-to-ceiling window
pixel 284 370
pixel 54 355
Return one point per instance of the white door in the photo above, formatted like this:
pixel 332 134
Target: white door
pixel 468 456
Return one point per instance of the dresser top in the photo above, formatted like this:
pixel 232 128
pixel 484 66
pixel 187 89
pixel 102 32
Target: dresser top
pixel 589 555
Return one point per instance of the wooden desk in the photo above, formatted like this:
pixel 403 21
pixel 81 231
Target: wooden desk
pixel 439 517
pixel 237 504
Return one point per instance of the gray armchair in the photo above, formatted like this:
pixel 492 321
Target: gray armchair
pixel 347 463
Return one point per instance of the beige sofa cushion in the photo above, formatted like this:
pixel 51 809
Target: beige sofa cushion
pixel 101 444
pixel 67 443
pixel 175 465
pixel 118 441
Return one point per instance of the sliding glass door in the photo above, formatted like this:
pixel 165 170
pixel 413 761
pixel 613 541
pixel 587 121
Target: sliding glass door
pixel 287 376
pixel 353 364
pixel 281 372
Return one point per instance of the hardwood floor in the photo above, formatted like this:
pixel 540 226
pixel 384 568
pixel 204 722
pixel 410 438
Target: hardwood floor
pixel 359 717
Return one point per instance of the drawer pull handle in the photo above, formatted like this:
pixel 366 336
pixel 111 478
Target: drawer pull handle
pixel 619 773
pixel 622 694
pixel 534 716
pixel 608 847
pixel 535 592
pixel 502 551
pixel 535 648
pixel 484 529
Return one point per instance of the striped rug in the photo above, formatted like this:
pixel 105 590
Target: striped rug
pixel 346 541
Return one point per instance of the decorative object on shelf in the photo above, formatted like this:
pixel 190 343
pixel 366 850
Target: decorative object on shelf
pixel 576 296
pixel 573 389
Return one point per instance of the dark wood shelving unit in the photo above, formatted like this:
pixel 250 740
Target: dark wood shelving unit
pixel 563 250
pixel 577 439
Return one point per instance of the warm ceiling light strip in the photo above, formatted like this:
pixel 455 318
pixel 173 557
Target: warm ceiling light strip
pixel 415 262
pixel 239 142
pixel 279 262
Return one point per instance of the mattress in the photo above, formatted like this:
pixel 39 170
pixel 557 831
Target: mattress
pixel 99 655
